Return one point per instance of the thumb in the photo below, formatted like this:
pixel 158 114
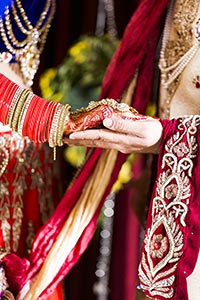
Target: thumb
pixel 108 122
pixel 123 126
pixel 116 124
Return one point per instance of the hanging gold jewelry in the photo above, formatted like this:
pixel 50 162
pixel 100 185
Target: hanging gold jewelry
pixel 26 51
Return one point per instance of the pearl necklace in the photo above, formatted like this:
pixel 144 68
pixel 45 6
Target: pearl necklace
pixel 170 73
pixel 26 52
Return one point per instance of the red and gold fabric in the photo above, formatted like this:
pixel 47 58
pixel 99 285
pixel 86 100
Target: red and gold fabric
pixel 171 242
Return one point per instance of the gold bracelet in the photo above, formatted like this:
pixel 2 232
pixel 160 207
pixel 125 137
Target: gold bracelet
pixel 13 106
pixel 53 130
pixel 23 113
pixel 54 126
pixel 18 108
pixel 57 126
pixel 61 123
pixel 119 106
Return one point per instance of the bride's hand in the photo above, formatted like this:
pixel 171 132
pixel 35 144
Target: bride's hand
pixel 140 135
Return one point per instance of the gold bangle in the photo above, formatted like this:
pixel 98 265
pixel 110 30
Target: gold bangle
pixel 23 113
pixel 53 130
pixel 54 126
pixel 13 106
pixel 57 127
pixel 61 123
pixel 18 109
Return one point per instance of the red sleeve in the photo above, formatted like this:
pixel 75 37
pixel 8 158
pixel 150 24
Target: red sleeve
pixel 172 238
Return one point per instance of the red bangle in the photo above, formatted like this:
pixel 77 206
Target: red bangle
pixel 38 127
pixel 31 117
pixel 7 92
pixel 44 121
pixel 50 118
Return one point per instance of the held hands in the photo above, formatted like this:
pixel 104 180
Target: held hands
pixel 125 131
pixel 126 136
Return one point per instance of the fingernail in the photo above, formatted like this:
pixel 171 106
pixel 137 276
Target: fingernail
pixel 108 122
pixel 71 136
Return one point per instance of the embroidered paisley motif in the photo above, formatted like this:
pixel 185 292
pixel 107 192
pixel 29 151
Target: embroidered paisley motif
pixel 164 239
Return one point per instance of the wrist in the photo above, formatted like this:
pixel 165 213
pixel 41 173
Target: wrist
pixel 31 115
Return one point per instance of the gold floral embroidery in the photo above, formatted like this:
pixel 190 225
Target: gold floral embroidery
pixel 22 157
pixel 184 16
pixel 158 246
pixel 13 146
pixel 177 48
pixel 164 239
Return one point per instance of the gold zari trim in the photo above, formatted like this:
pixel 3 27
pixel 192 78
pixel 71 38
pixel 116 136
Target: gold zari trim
pixel 179 45
pixel 164 239
pixel 23 157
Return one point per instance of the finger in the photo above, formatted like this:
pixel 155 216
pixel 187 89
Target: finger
pixel 124 148
pixel 92 144
pixel 122 144
pixel 90 134
pixel 104 139
pixel 89 143
pixel 106 136
pixel 83 143
pixel 124 126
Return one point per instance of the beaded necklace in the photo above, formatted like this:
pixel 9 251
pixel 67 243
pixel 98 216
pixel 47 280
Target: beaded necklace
pixel 26 51
pixel 175 54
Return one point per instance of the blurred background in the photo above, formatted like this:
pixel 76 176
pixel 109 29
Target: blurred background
pixel 82 39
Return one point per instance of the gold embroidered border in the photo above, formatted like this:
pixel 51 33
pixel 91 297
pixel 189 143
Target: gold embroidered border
pixel 25 161
pixel 181 40
pixel 164 240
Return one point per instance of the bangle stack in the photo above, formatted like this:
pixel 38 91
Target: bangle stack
pixel 31 115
